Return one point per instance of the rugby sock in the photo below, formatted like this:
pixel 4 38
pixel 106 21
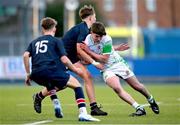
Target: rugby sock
pixel 54 99
pixel 135 105
pixel 80 100
pixel 93 105
pixel 79 95
pixel 82 110
pixel 150 99
pixel 56 103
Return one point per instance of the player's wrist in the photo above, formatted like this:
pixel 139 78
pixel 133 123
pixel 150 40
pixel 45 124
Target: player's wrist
pixel 95 63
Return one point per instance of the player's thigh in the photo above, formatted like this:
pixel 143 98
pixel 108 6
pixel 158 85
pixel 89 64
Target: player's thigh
pixel 114 82
pixel 73 82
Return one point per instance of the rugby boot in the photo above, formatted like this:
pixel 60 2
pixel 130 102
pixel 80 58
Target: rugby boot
pixel 37 103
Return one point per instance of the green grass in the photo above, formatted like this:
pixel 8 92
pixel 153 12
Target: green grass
pixel 16 106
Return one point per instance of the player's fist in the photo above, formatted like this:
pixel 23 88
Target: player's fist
pixel 28 80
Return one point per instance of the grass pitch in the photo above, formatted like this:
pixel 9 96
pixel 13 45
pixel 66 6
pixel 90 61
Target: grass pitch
pixel 16 106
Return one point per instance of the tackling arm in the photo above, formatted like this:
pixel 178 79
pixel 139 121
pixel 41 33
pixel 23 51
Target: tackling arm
pixel 83 54
pixel 88 58
pixel 97 57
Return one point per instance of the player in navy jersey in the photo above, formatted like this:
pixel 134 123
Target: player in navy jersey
pixel 48 59
pixel 72 40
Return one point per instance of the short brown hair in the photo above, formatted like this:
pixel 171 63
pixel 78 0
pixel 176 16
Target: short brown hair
pixel 48 23
pixel 86 11
pixel 98 28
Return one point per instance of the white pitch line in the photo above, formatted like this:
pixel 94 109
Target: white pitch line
pixel 39 122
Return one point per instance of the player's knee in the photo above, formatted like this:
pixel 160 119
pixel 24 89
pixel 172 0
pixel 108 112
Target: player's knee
pixel 117 90
pixel 78 84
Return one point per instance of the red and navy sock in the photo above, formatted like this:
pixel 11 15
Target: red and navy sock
pixel 80 100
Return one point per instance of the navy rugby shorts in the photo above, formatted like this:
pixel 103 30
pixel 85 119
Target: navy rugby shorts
pixel 51 78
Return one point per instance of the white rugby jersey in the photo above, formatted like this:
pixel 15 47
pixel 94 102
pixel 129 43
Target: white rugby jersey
pixel 104 47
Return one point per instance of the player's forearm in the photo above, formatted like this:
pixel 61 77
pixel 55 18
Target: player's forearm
pixel 121 47
pixel 68 63
pixel 84 55
pixel 97 57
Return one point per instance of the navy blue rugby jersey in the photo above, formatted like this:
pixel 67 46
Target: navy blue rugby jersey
pixel 46 52
pixel 75 35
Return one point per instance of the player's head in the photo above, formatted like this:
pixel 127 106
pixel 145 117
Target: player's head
pixel 87 13
pixel 48 24
pixel 97 31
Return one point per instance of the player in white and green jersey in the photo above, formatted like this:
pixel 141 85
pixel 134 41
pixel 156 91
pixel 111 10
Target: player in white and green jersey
pixel 105 47
pixel 99 46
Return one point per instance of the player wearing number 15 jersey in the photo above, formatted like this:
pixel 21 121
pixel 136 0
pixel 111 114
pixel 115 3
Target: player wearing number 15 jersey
pixel 45 52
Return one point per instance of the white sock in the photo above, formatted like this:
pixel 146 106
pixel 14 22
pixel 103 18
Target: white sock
pixel 150 99
pixel 56 103
pixel 82 110
pixel 135 105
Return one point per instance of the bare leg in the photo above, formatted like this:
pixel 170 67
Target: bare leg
pixel 134 83
pixel 80 100
pixel 89 86
pixel 114 83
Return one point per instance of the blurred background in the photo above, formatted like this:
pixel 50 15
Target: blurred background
pixel 151 27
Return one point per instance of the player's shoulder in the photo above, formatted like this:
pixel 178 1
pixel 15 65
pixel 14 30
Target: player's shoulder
pixel 88 36
pixel 88 39
pixel 81 25
pixel 57 39
pixel 106 38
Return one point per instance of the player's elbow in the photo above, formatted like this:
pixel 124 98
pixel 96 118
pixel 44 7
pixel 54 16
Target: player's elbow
pixel 26 55
pixel 79 50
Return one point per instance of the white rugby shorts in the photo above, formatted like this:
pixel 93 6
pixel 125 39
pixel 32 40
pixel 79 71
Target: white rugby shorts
pixel 119 69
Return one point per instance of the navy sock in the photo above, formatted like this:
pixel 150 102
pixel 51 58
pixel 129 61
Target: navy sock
pixel 93 105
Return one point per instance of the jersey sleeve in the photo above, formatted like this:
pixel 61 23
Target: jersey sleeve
pixel 61 49
pixel 107 46
pixel 82 35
